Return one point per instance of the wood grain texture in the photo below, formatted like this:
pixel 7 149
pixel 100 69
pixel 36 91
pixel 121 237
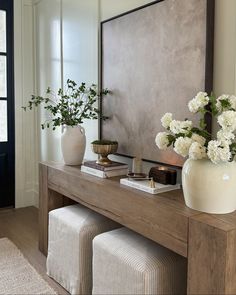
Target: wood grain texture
pixel 212 255
pixel 162 218
pixel 21 227
pixel 48 200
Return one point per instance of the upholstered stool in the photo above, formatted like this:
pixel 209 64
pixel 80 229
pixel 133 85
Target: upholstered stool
pixel 71 232
pixel 127 263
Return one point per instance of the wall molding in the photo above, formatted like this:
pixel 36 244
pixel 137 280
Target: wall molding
pixel 25 146
pixel 36 2
pixel 27 2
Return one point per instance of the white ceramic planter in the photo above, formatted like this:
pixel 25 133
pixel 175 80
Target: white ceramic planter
pixel 73 143
pixel 209 187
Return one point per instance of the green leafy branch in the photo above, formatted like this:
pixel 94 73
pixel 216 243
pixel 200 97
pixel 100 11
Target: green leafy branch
pixel 70 107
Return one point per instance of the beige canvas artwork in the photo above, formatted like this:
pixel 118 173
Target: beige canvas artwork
pixel 153 60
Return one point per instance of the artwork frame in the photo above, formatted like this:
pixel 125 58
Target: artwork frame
pixel 208 71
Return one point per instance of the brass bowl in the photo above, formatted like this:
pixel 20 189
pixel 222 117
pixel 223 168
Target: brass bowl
pixel 104 150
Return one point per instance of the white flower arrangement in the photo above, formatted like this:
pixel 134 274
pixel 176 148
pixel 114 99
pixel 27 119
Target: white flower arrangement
pixel 196 142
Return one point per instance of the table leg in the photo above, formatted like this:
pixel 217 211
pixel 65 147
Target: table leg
pixel 211 256
pixel 48 200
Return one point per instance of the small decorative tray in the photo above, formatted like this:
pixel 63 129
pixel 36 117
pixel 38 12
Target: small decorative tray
pixel 145 186
pixel 137 176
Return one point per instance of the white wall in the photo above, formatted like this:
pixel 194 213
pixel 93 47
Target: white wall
pixel 225 49
pixel 66 47
pixel 80 51
pixel 26 166
pixel 48 69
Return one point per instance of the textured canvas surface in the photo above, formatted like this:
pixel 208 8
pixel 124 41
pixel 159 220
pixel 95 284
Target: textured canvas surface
pixel 154 62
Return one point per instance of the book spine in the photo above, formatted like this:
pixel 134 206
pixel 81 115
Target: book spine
pixel 94 172
pixel 116 168
pixel 103 174
pixel 105 169
pixel 92 166
pixel 113 173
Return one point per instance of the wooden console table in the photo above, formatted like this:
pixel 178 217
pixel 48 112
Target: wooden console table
pixel 207 241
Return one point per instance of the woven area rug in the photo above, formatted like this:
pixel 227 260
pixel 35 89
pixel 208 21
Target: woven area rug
pixel 17 276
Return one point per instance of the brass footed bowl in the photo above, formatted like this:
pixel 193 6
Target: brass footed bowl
pixel 104 150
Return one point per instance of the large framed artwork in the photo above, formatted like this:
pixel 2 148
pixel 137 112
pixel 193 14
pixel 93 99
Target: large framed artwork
pixel 154 59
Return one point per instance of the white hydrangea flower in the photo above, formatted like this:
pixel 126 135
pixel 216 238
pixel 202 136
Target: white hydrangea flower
pixel 224 135
pixel 182 145
pixel 218 151
pixel 198 138
pixel 227 121
pixel 231 99
pixel 180 126
pixel 198 102
pixel 166 120
pixel 218 101
pixel 203 98
pixel 197 151
pixel 193 106
pixel 162 140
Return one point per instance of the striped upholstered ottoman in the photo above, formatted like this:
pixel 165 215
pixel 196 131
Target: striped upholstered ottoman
pixel 127 263
pixel 71 232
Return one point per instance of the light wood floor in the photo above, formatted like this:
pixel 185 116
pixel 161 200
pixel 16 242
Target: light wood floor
pixel 21 227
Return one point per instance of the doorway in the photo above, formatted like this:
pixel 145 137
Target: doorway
pixel 7 136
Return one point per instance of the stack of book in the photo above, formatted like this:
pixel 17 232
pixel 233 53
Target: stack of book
pixel 114 169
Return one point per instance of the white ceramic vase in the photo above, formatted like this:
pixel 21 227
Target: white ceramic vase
pixel 73 143
pixel 209 187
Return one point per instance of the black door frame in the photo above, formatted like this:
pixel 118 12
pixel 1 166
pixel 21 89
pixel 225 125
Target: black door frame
pixel 8 6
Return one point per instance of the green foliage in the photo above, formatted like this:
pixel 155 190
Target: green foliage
pixel 201 132
pixel 232 150
pixel 202 123
pixel 171 139
pixel 210 110
pixel 213 107
pixel 70 107
pixel 225 104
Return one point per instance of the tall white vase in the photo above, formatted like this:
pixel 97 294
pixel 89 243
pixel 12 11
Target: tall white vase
pixel 73 143
pixel 209 187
